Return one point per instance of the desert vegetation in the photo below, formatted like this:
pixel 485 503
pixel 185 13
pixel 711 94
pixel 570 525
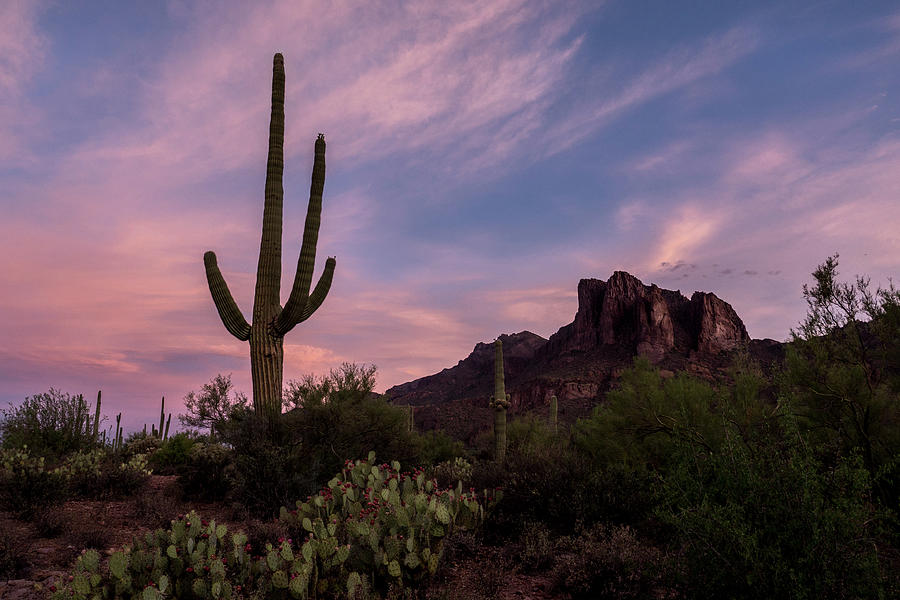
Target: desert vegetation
pixel 782 485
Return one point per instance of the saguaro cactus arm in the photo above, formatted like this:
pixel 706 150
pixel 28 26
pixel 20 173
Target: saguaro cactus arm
pixel 295 307
pixel 318 296
pixel 228 309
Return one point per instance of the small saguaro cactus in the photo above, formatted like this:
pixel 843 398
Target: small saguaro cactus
pixel 270 321
pixel 97 417
pixel 554 408
pixel 499 402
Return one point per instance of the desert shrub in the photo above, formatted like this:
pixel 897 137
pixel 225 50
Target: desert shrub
pixel 13 554
pixel 49 522
pixel 556 486
pixel 157 508
pixel 209 473
pixel 270 467
pixel 172 454
pixel 452 472
pixel 212 407
pixel 843 374
pixel 608 562
pixel 26 484
pixel 529 434
pixel 89 535
pixel 99 474
pixel 646 415
pixel 140 442
pixel 51 424
pixel 436 446
pixel 334 418
pixel 538 547
pixel 763 517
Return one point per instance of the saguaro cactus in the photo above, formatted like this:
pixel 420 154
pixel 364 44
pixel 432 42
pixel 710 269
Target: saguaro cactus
pixel 97 417
pixel 270 321
pixel 499 402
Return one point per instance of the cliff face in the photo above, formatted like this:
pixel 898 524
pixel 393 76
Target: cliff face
pixel 625 313
pixel 616 320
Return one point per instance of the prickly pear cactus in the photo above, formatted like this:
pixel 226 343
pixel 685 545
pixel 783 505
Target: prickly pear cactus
pixel 392 520
pixel 372 522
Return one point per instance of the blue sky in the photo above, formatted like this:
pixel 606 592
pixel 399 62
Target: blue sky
pixel 482 158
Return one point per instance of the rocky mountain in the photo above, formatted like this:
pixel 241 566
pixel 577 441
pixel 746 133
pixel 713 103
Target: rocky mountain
pixel 616 320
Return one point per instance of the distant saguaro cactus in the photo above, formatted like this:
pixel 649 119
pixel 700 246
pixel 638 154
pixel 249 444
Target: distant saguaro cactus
pixel 97 417
pixel 270 321
pixel 499 402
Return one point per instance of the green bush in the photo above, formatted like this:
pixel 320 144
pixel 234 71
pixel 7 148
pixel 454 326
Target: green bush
pixel 173 454
pixel 556 486
pixel 436 446
pixel 450 473
pixel 763 517
pixel 646 415
pixel 209 473
pixel 333 418
pixel 140 442
pixel 271 468
pixel 51 424
pixel 27 486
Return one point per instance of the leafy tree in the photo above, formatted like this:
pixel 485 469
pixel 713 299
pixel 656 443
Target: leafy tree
pixel 349 380
pixel 213 406
pixel 843 373
pixel 646 414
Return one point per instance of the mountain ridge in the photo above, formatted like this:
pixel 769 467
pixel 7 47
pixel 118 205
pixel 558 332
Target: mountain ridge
pixel 616 320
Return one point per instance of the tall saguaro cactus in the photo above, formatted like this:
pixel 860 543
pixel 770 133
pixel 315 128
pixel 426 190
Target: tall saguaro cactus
pixel 271 321
pixel 499 402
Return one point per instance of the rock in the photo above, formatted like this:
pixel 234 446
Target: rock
pixel 472 376
pixel 616 319
pixel 718 325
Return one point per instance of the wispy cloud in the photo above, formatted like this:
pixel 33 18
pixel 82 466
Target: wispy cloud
pixel 22 53
pixel 677 69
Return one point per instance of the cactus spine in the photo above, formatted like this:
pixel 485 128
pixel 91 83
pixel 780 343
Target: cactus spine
pixel 499 402
pixel 270 321
pixel 554 408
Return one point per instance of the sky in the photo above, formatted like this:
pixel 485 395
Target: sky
pixel 483 156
